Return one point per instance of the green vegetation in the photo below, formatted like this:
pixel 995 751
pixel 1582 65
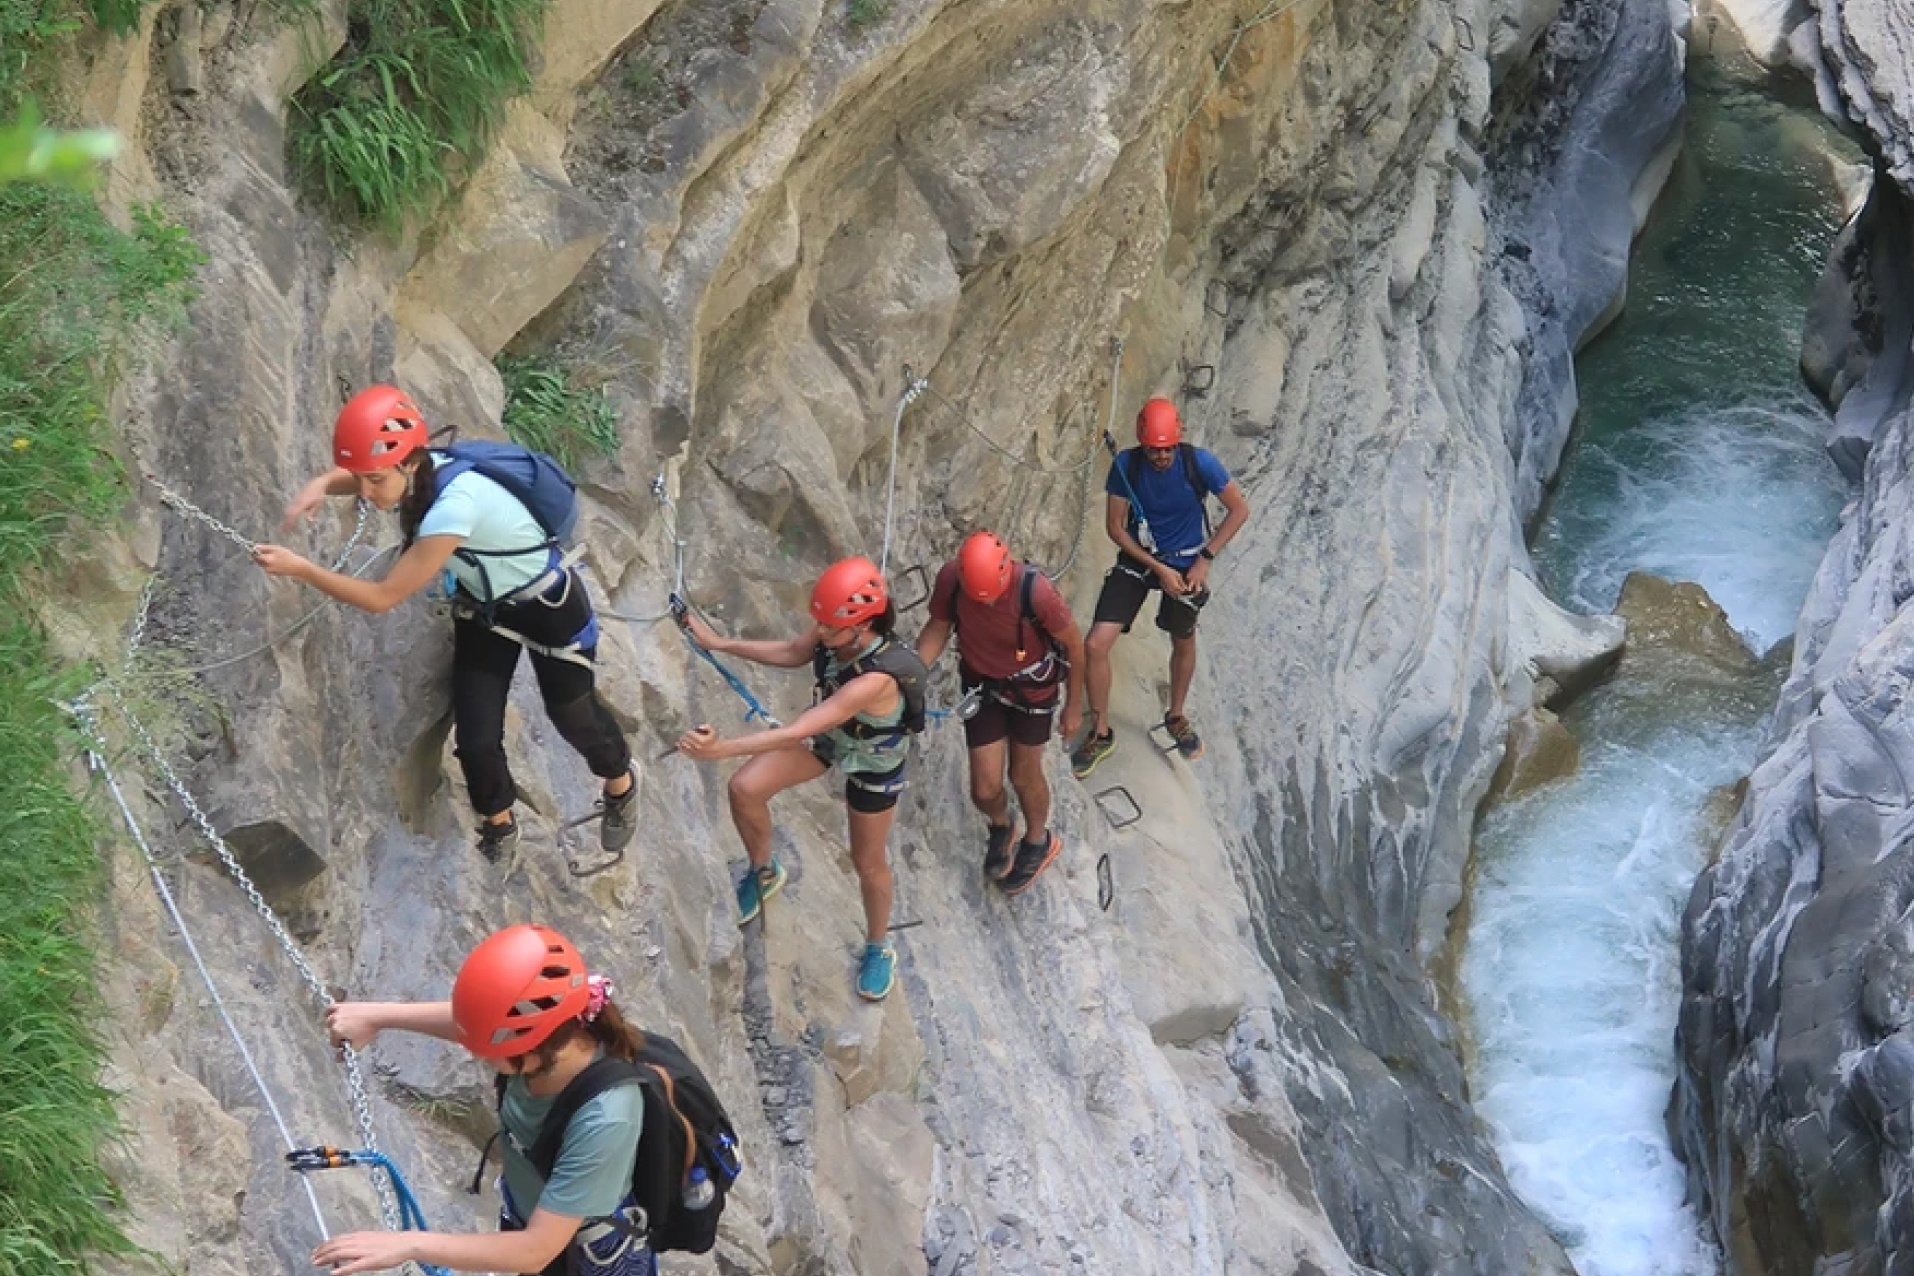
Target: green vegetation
pixel 30 28
pixel 642 77
pixel 76 297
pixel 53 155
pixel 381 134
pixel 546 411
pixel 866 13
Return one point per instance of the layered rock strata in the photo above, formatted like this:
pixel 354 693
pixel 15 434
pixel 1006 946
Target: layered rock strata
pixel 1356 241
pixel 1797 1053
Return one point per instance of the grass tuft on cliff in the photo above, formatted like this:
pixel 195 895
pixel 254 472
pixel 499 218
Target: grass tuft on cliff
pixel 383 132
pixel 30 29
pixel 77 299
pixel 546 409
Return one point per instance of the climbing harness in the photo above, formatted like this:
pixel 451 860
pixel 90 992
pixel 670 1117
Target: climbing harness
pixel 305 1161
pixel 467 608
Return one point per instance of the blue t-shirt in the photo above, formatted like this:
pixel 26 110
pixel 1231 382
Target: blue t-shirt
pixel 1173 508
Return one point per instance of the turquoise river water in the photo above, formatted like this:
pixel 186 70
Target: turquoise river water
pixel 1697 457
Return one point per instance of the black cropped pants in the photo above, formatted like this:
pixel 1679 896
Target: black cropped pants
pixel 482 667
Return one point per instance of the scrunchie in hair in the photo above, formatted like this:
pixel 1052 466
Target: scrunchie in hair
pixel 598 990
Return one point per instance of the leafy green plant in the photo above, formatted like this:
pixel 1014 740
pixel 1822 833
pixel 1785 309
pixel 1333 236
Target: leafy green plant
pixel 866 13
pixel 71 157
pixel 415 96
pixel 77 299
pixel 120 17
pixel 546 411
pixel 642 77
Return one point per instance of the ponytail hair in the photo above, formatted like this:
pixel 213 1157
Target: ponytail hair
pixel 419 495
pixel 609 1029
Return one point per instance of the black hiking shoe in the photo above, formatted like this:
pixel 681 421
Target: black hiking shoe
pixel 619 824
pixel 997 859
pixel 1032 859
pixel 498 843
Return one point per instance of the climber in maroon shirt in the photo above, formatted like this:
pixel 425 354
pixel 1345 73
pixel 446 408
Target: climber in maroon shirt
pixel 1022 660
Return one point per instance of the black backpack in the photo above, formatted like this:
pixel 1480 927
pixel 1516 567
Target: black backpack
pixel 685 1125
pixel 892 657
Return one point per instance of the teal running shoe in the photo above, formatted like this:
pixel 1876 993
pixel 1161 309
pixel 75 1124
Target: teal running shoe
pixel 878 973
pixel 758 885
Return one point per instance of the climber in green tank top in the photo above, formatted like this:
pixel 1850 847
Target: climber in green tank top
pixel 870 702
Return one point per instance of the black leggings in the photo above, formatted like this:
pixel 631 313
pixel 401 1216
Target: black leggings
pixel 482 668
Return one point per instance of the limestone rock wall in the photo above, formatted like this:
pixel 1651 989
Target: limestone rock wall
pixel 1797 1063
pixel 1355 240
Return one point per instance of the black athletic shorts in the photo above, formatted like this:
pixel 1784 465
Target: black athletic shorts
pixel 1124 590
pixel 1026 720
pixel 870 794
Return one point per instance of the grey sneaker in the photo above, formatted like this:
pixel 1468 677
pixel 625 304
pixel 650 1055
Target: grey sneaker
pixel 619 824
pixel 498 843
pixel 1096 747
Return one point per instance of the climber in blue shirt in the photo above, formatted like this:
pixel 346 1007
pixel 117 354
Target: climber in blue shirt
pixel 1158 515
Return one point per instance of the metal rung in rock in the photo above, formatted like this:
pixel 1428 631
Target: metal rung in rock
pixel 923 582
pixel 1107 799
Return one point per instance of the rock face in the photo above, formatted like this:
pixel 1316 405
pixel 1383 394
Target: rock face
pixel 1796 1056
pixel 1357 241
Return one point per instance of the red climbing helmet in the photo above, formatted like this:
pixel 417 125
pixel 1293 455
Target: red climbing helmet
pixel 849 593
pixel 983 565
pixel 1157 424
pixel 516 989
pixel 377 429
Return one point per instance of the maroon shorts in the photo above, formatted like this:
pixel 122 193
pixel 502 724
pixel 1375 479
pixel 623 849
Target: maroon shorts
pixel 1023 715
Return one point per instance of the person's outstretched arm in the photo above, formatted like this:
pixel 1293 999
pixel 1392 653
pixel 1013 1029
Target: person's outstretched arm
pixel 545 1236
pixel 861 694
pixel 356 1023
pixel 779 653
pixel 418 567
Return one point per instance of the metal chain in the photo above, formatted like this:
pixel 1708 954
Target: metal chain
pixel 84 714
pixel 355 1080
pixel 181 505
pixel 137 635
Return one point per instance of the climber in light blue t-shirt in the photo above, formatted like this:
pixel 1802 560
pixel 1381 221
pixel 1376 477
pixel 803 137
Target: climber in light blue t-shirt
pixel 514 592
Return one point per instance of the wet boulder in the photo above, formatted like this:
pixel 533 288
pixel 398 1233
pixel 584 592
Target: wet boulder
pixel 1680 618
